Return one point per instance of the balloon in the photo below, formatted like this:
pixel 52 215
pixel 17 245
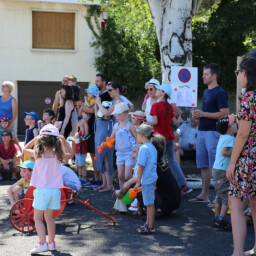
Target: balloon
pixel 108 139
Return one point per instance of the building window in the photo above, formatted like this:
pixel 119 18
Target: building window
pixel 53 30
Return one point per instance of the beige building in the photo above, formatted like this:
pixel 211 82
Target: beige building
pixel 41 41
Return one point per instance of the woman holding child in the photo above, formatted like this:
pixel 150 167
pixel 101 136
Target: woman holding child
pixel 241 170
pixel 63 122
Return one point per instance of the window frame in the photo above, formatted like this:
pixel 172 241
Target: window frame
pixel 53 49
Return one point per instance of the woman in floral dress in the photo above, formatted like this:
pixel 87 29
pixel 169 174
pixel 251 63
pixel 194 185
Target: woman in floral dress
pixel 241 171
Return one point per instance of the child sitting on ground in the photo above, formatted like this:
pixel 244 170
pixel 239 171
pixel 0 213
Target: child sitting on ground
pixel 48 118
pixel 31 119
pixel 89 101
pixel 227 128
pixel 147 175
pixel 18 190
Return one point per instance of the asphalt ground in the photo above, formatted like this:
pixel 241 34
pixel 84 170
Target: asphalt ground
pixel 187 232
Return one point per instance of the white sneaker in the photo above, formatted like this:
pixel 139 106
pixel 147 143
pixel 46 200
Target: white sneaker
pixel 77 141
pixel 39 248
pixel 52 246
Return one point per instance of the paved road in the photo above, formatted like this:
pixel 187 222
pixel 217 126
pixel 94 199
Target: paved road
pixel 187 232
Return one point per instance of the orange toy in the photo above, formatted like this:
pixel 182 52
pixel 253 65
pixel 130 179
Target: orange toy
pixel 109 143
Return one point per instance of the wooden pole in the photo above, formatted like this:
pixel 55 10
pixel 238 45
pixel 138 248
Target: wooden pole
pixel 238 86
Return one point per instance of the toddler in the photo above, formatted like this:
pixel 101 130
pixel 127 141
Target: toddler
pixel 124 133
pixel 47 179
pixel 227 128
pixel 18 190
pixel 147 175
pixel 89 102
pixel 137 118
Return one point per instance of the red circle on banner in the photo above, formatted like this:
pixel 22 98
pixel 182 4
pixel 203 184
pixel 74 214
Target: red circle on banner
pixel 47 101
pixel 184 75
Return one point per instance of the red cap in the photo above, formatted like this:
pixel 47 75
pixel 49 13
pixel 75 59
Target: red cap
pixel 4 118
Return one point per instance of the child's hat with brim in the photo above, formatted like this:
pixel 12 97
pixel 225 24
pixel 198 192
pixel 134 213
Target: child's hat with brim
pixel 50 129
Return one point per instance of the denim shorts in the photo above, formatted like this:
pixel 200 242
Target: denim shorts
pixel 125 158
pixel 206 144
pixel 81 159
pixel 148 194
pixel 47 198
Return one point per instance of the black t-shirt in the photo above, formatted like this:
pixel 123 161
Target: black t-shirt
pixel 105 96
pixel 213 100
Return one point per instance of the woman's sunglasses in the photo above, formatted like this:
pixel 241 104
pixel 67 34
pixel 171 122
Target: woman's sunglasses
pixel 150 89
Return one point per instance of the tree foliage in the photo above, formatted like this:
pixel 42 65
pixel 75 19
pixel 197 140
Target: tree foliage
pixel 127 49
pixel 224 35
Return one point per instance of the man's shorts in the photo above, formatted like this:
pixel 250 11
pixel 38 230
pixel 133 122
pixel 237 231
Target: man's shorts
pixel 206 143
pixel 148 194
pixel 221 186
pixel 125 158
pixel 81 159
pixel 47 198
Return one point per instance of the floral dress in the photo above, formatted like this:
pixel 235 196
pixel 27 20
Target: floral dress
pixel 244 183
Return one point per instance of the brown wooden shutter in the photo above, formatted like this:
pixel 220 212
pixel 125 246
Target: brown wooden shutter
pixel 53 30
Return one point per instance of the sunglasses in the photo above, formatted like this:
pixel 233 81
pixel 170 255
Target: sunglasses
pixel 150 89
pixel 237 71
pixel 28 119
pixel 110 90
pixel 6 134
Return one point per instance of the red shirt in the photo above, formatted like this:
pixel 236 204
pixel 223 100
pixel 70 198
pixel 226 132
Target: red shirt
pixel 10 152
pixel 81 148
pixel 164 120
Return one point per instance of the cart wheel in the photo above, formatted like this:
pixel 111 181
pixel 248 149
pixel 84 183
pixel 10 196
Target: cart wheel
pixel 22 216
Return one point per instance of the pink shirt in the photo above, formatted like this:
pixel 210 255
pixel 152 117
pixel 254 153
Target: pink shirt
pixel 47 173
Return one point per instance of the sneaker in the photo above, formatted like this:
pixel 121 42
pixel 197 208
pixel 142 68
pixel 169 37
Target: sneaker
pixel 186 189
pixel 223 225
pixel 52 246
pixel 1 177
pixel 90 183
pixel 77 141
pixel 97 184
pixel 82 180
pixel 14 177
pixel 39 248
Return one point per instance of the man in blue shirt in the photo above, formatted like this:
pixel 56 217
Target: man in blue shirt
pixel 214 106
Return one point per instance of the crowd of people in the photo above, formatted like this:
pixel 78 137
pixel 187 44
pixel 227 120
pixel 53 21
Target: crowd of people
pixel 146 152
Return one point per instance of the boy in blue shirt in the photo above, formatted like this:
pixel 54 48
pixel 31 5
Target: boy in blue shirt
pixel 227 128
pixel 147 175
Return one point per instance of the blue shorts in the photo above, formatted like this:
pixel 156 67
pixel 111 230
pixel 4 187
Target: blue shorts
pixel 81 159
pixel 148 194
pixel 47 198
pixel 206 144
pixel 125 158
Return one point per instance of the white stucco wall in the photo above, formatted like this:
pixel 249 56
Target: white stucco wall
pixel 20 62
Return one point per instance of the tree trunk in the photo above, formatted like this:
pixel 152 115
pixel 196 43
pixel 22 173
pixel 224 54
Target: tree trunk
pixel 173 23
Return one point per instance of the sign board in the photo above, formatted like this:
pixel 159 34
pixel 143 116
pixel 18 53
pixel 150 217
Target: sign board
pixel 47 101
pixel 184 83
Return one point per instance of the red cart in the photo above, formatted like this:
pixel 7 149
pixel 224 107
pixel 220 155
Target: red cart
pixel 22 212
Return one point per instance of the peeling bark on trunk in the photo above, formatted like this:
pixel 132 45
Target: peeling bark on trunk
pixel 173 23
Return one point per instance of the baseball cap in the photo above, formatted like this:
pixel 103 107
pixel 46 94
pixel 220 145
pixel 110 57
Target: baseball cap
pixel 50 129
pixel 27 164
pixel 93 90
pixel 166 88
pixel 153 82
pixel 120 108
pixel 4 118
pixel 139 115
pixel 33 114
pixel 145 130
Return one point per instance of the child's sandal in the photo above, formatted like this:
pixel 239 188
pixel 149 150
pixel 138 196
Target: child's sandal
pixel 146 230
